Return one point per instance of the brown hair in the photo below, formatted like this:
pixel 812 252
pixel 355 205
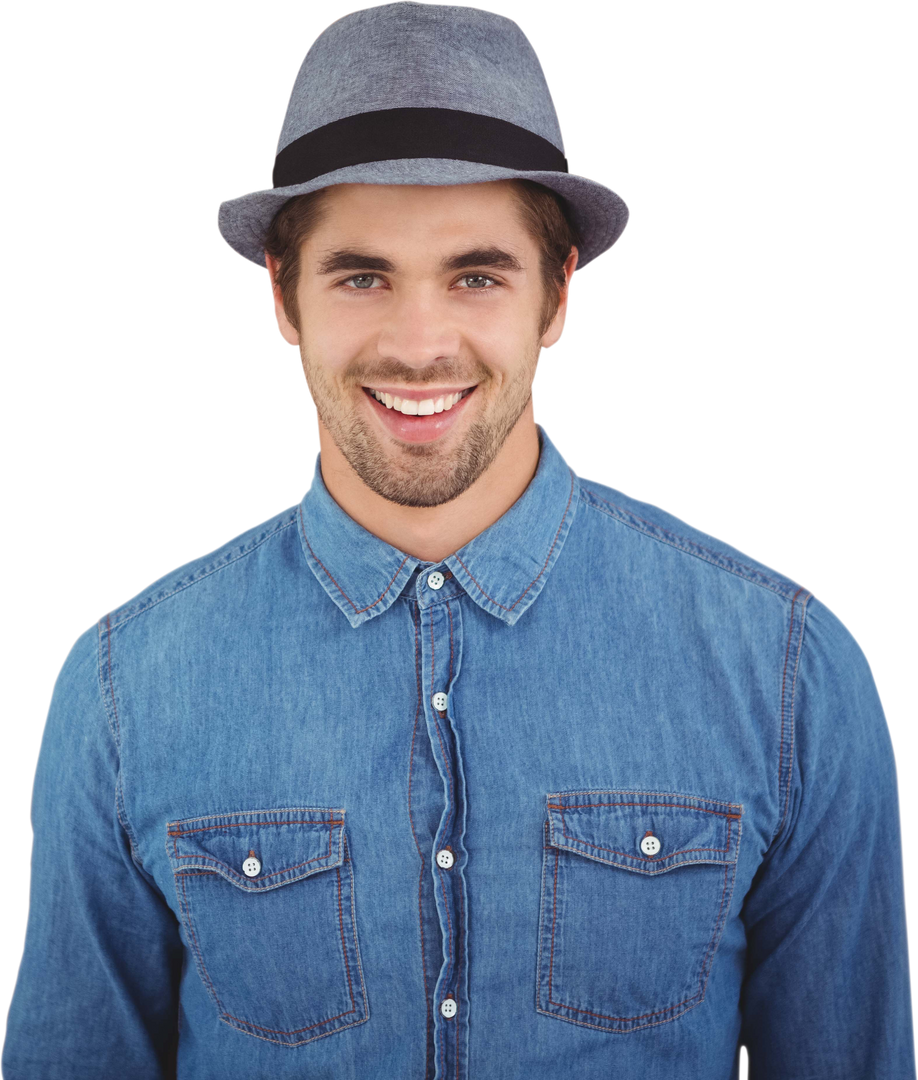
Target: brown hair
pixel 543 213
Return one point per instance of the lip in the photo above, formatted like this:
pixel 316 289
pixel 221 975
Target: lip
pixel 418 429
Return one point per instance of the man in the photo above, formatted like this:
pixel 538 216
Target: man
pixel 428 435
pixel 464 766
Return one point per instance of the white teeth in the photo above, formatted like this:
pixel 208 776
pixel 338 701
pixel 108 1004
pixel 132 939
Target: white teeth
pixel 417 408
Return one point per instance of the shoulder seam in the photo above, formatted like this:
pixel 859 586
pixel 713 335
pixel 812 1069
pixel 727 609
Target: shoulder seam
pixel 801 597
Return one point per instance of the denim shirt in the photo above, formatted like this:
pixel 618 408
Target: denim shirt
pixel 597 795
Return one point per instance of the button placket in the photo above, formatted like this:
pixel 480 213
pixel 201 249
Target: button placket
pixel 440 635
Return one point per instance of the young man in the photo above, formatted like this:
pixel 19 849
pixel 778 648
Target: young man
pixel 421 374
pixel 464 766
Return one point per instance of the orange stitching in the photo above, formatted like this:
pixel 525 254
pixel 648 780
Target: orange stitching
pixel 675 806
pixel 111 684
pixel 416 623
pixel 248 1023
pixel 652 858
pixel 623 1018
pixel 262 877
pixel 343 943
pixel 548 558
pixel 341 591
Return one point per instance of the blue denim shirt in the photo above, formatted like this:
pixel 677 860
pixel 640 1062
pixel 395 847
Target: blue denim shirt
pixel 595 796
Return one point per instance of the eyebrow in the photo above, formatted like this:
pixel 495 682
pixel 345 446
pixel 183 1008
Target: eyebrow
pixel 350 259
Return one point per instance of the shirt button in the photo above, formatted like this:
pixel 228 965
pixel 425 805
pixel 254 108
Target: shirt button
pixel 251 867
pixel 444 858
pixel 449 1008
pixel 650 845
pixel 439 701
pixel 435 580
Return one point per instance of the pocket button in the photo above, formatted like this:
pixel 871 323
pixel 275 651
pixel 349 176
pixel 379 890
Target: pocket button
pixel 251 867
pixel 650 845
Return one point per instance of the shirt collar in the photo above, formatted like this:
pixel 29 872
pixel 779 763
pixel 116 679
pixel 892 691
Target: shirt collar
pixel 503 569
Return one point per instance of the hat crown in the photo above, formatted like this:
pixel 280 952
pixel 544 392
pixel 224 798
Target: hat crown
pixel 416 55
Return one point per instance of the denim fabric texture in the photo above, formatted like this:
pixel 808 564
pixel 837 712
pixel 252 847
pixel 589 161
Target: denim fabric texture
pixel 597 795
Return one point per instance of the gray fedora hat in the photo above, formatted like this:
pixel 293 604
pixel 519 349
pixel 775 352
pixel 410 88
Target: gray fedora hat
pixel 411 93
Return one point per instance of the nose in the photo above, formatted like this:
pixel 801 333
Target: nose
pixel 418 330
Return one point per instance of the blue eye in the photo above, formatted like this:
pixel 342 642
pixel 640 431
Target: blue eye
pixel 348 287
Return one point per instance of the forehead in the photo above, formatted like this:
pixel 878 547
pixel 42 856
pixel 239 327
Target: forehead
pixel 407 215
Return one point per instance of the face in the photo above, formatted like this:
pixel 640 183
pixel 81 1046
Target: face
pixel 419 309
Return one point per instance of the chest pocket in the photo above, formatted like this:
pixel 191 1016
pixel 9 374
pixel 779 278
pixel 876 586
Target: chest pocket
pixel 636 887
pixel 267 905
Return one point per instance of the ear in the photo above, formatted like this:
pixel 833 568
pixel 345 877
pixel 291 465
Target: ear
pixel 552 334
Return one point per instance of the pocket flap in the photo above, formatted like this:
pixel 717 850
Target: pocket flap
pixel 610 825
pixel 288 844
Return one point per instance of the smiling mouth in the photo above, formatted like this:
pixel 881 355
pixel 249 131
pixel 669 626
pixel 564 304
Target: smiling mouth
pixel 373 396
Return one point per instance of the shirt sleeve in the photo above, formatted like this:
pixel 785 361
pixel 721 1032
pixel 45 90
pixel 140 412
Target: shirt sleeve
pixel 826 989
pixel 97 990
